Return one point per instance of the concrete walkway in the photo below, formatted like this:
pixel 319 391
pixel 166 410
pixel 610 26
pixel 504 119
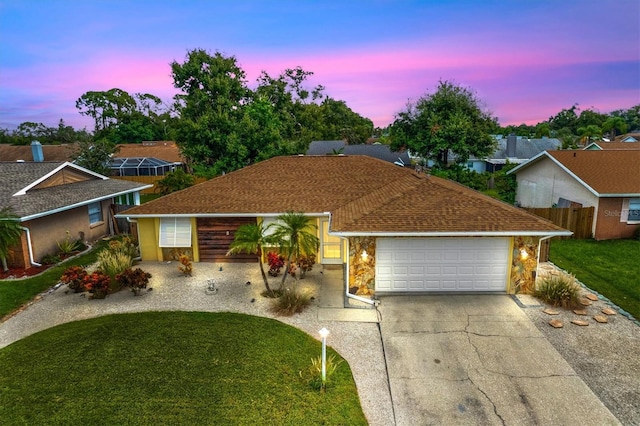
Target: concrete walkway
pixel 478 360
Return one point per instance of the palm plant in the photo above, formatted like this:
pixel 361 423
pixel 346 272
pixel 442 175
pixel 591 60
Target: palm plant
pixel 295 234
pixel 10 233
pixel 250 238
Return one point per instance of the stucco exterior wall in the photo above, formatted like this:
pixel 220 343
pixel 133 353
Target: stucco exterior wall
pixel 543 183
pixel 47 231
pixel 149 237
pixel 607 221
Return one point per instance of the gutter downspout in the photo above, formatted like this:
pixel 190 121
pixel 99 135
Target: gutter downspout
pixel 28 232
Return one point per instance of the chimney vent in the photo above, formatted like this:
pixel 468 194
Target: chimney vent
pixel 511 145
pixel 36 150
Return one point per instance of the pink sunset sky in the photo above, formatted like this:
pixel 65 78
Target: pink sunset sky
pixel 526 60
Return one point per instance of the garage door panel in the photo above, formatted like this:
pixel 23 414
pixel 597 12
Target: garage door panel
pixel 442 264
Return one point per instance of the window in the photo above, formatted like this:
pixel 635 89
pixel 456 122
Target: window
pixel 175 232
pixel 95 213
pixel 634 210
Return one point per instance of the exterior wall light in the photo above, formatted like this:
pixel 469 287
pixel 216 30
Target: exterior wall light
pixel 523 254
pixel 364 255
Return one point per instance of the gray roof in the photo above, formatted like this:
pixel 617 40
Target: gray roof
pixel 41 202
pixel 526 148
pixel 379 151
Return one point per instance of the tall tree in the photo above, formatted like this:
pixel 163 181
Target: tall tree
pixel 213 93
pixel 452 119
pixel 95 155
pixel 251 238
pixel 295 234
pixel 613 125
pixel 589 133
pixel 10 233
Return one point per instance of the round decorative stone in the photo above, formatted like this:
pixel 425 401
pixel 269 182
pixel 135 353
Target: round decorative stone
pixel 580 311
pixel 586 302
pixel 550 311
pixel 591 296
pixel 556 323
pixel 609 311
pixel 601 319
pixel 580 323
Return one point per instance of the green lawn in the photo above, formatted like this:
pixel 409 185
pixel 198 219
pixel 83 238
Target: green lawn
pixel 171 368
pixel 15 293
pixel 612 268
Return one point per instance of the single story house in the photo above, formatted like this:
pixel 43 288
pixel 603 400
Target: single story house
pixel 603 145
pixel 375 150
pixel 608 180
pixel 393 229
pixel 514 150
pixel 56 200
pixel 38 152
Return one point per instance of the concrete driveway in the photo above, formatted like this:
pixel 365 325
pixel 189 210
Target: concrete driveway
pixel 462 359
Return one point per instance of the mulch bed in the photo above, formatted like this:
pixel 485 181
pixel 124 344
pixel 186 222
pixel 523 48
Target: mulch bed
pixel 23 272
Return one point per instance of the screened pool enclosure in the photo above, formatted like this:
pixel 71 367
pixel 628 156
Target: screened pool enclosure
pixel 140 166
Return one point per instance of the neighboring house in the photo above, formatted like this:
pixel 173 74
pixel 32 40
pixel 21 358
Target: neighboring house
pixel 149 158
pixel 375 150
pixel 513 149
pixel 53 198
pixel 628 137
pixel 395 230
pixel 37 152
pixel 602 145
pixel 608 180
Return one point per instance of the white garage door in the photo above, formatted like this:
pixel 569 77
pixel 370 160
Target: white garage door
pixel 441 264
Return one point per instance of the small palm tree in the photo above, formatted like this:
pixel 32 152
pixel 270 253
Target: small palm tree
pixel 10 233
pixel 250 238
pixel 295 233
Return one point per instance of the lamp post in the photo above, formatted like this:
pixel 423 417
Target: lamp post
pixel 324 333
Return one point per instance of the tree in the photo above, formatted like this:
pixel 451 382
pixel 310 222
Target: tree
pixel 450 120
pixel 106 108
pixel 10 233
pixel 614 124
pixel 251 238
pixel 567 118
pixel 95 156
pixel 213 94
pixel 295 235
pixel 589 132
pixel 174 181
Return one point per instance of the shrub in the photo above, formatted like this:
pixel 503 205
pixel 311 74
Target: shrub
pixel 125 245
pixel 313 376
pixel 185 265
pixel 67 246
pixel 559 290
pixel 50 259
pixel 74 277
pixel 113 263
pixel 305 263
pixel 97 283
pixel 291 301
pixel 276 262
pixel 135 279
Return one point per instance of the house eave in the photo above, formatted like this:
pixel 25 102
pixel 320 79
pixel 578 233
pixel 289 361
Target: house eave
pixel 252 214
pixel 456 234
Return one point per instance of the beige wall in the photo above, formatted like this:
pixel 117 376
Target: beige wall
pixel 48 230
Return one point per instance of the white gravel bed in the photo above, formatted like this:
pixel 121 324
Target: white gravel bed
pixel 359 343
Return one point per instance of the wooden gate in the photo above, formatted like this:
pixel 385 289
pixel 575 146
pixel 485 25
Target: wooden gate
pixel 215 235
pixel 579 220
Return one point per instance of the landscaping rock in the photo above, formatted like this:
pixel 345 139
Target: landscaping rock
pixel 591 296
pixel 580 323
pixel 550 311
pixel 601 319
pixel 580 311
pixel 556 323
pixel 586 302
pixel 609 311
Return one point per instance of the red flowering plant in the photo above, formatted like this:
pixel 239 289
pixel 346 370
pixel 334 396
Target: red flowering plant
pixel 276 262
pixel 97 283
pixel 74 277
pixel 135 279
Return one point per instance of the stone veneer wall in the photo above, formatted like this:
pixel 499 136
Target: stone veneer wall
pixel 362 272
pixel 523 269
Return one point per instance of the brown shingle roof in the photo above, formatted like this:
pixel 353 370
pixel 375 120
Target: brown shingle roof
pixel 618 145
pixel 50 152
pixel 607 172
pixel 162 150
pixel 364 195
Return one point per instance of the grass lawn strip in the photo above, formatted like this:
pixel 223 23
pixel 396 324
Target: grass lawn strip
pixel 168 368
pixel 611 268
